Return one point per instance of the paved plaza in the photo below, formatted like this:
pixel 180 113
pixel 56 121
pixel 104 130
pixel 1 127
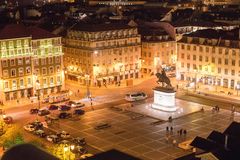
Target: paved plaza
pixel 183 108
pixel 138 137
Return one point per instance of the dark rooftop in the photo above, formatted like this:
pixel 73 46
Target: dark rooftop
pixel 19 30
pixel 100 27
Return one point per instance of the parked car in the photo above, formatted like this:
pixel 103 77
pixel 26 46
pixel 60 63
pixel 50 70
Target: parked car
pixel 8 119
pixel 64 115
pixel 52 107
pixel 79 111
pixel 34 111
pixel 85 156
pixel 37 125
pixel 76 104
pixel 135 96
pixel 29 127
pixel 43 112
pixel 102 126
pixel 64 108
pixel 79 141
pixel 63 135
pixel 53 138
pixel 79 149
pixel 40 133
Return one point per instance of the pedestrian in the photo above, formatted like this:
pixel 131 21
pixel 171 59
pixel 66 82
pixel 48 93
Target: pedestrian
pixel 202 109
pixel 184 132
pixel 170 119
pixel 78 91
pixel 233 109
pixel 174 142
pixel 177 86
pixel 171 129
pixel 167 129
pixel 180 132
pixel 119 83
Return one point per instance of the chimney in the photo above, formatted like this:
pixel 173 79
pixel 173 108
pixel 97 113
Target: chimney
pixel 226 142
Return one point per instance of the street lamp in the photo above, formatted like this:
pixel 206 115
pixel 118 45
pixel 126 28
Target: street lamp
pixel 88 94
pixel 38 92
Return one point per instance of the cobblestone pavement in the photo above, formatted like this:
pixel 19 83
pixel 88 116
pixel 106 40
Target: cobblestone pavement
pixel 139 137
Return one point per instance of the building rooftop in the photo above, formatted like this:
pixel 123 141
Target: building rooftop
pixel 95 27
pixel 12 31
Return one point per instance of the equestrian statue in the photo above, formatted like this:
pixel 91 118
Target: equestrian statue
pixel 162 78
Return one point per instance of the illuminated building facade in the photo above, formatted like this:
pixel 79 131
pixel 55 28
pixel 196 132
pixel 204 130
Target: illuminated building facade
pixel 22 71
pixel 108 52
pixel 221 2
pixel 210 57
pixel 158 51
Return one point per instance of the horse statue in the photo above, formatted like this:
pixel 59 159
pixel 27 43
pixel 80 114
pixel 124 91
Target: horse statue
pixel 162 78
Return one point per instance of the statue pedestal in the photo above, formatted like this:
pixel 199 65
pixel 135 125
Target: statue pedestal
pixel 164 99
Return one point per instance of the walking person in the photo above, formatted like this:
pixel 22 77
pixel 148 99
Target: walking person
pixel 180 132
pixel 184 132
pixel 171 129
pixel 233 109
pixel 167 129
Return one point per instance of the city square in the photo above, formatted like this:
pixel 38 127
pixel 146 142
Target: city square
pixel 119 80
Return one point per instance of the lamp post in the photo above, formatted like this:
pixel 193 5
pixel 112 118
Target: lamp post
pixel 88 94
pixel 38 92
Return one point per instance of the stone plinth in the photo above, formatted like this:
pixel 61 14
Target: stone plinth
pixel 164 99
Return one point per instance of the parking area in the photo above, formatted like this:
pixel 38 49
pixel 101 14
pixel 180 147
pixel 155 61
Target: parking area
pixel 143 136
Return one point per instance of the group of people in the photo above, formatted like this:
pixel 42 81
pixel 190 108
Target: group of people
pixel 215 108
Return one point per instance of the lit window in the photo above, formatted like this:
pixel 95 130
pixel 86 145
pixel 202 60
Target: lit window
pixel 51 70
pixel 20 72
pixel 13 72
pixel 28 70
pixel 21 82
pixel 6 85
pixel 12 62
pixel 27 60
pixel 44 71
pixel 5 64
pixel 20 62
pixel 5 73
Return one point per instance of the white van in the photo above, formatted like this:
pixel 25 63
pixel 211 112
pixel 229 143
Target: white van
pixel 135 96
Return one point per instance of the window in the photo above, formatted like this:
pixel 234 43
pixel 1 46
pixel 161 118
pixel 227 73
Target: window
pixel 219 70
pixel 188 47
pixel 5 73
pixel 44 71
pixel 200 48
pixel 6 86
pixel 200 58
pixel 27 60
pixel 220 50
pixel 14 84
pixel 36 71
pixel 44 81
pixel 182 65
pixel 207 49
pixel 188 56
pixel 182 55
pixel 4 63
pixel 233 62
pixel 50 60
pixel 219 61
pixel 226 51
pixel 183 46
pixel 194 48
pixel 51 70
pixel 233 52
pixel 58 79
pixel 213 50
pixel 28 70
pixel 200 67
pixel 13 72
pixel 12 62
pixel 43 61
pixel 225 71
pixel 21 83
pixel 20 61
pixel 58 68
pixel 188 65
pixel 206 59
pixel 226 61
pixel 233 72
pixel 29 81
pixel 51 80
pixel 36 62
pixel 20 72
pixel 213 60
pixel 57 59
pixel 194 57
